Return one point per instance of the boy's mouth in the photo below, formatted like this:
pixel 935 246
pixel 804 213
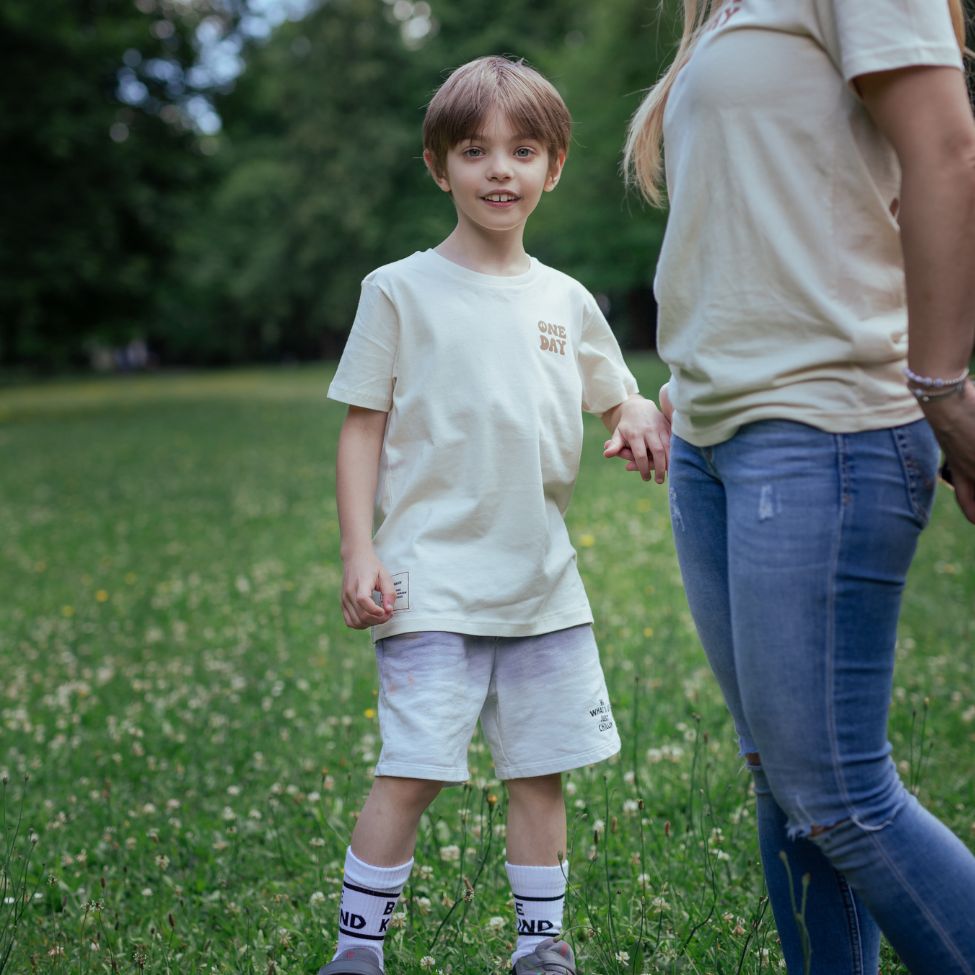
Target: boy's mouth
pixel 500 198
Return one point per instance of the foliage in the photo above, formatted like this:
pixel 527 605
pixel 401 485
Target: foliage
pixel 199 727
pixel 94 186
pixel 125 221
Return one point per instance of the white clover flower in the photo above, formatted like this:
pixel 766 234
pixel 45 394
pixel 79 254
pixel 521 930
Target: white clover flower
pixel 450 853
pixel 316 841
pixel 622 956
pixel 427 961
pixel 318 897
pixel 147 892
pixel 228 814
pixel 630 806
pixel 496 923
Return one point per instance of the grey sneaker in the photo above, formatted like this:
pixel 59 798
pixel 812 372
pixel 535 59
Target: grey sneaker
pixel 354 961
pixel 550 957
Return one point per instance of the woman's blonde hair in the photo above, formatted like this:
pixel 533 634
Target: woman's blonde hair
pixel 642 153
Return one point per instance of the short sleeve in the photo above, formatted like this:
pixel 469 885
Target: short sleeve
pixel 893 34
pixel 367 370
pixel 606 381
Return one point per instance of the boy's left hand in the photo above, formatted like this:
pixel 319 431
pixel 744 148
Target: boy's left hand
pixel 641 437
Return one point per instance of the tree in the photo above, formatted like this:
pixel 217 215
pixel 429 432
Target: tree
pixel 95 153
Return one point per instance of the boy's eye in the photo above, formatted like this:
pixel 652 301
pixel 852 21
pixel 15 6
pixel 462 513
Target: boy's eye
pixel 524 152
pixel 472 152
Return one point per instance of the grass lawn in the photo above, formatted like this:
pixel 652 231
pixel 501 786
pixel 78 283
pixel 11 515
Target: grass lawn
pixel 187 728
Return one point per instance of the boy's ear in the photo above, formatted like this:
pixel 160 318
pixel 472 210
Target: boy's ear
pixel 555 171
pixel 431 165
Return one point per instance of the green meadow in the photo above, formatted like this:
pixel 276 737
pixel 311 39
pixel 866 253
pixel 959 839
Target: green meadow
pixel 187 728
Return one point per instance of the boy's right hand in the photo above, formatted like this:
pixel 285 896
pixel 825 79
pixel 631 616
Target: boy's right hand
pixel 364 575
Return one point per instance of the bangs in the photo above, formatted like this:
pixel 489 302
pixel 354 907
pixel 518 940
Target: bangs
pixel 461 106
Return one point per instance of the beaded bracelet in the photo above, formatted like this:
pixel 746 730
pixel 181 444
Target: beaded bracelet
pixel 926 395
pixel 927 382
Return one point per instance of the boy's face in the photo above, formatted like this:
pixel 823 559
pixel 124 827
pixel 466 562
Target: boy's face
pixel 497 176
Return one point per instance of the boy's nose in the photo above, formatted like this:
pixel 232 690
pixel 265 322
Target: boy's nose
pixel 499 169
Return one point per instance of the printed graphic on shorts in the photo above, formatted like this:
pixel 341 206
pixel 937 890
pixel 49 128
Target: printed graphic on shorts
pixel 602 713
pixel 552 338
pixel 401 583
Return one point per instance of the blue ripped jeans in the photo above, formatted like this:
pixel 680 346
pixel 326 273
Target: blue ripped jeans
pixel 794 545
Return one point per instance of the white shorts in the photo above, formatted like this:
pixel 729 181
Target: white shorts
pixel 541 700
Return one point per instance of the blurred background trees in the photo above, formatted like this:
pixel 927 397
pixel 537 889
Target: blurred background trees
pixel 213 178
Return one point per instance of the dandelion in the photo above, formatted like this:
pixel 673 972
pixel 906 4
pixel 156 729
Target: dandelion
pixel 101 596
pixel 587 540
pixel 369 713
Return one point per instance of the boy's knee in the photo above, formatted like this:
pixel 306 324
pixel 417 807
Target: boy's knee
pixel 538 788
pixel 411 793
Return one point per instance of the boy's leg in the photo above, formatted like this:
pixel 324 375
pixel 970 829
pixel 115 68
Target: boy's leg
pixel 537 868
pixel 377 866
pixel 548 711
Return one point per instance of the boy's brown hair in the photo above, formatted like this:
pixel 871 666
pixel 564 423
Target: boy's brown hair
pixel 529 102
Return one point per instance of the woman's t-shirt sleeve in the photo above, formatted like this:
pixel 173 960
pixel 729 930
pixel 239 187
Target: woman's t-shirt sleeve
pixel 366 373
pixel 893 34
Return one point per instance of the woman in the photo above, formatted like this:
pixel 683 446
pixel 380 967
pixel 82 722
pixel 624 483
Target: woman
pixel 819 153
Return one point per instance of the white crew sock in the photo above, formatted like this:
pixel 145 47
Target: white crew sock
pixel 539 894
pixel 369 896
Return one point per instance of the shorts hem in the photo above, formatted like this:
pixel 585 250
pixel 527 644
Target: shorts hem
pixel 564 764
pixel 404 770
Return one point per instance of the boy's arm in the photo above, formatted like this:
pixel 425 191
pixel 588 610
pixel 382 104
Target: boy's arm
pixel 357 472
pixel 641 435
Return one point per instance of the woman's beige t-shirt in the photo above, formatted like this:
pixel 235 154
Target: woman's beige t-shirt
pixel 781 280
pixel 484 379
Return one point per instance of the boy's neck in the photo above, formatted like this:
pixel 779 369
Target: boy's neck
pixel 504 256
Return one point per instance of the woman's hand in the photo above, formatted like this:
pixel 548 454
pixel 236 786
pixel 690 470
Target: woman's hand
pixel 641 436
pixel 953 420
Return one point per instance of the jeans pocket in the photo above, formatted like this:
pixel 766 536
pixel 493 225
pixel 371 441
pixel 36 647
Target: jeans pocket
pixel 918 451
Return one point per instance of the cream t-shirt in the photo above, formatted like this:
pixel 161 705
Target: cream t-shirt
pixel 484 379
pixel 780 281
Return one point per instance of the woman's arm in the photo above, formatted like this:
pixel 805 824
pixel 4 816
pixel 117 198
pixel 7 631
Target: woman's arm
pixel 925 114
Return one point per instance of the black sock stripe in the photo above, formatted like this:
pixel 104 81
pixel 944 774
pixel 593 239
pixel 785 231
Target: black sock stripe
pixel 518 897
pixel 372 893
pixel 359 934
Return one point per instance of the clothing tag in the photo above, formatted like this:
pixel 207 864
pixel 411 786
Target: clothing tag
pixel 401 583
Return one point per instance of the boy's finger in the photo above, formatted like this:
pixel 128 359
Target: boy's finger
pixel 614 445
pixel 387 591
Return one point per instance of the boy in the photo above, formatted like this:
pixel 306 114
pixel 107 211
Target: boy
pixel 464 373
